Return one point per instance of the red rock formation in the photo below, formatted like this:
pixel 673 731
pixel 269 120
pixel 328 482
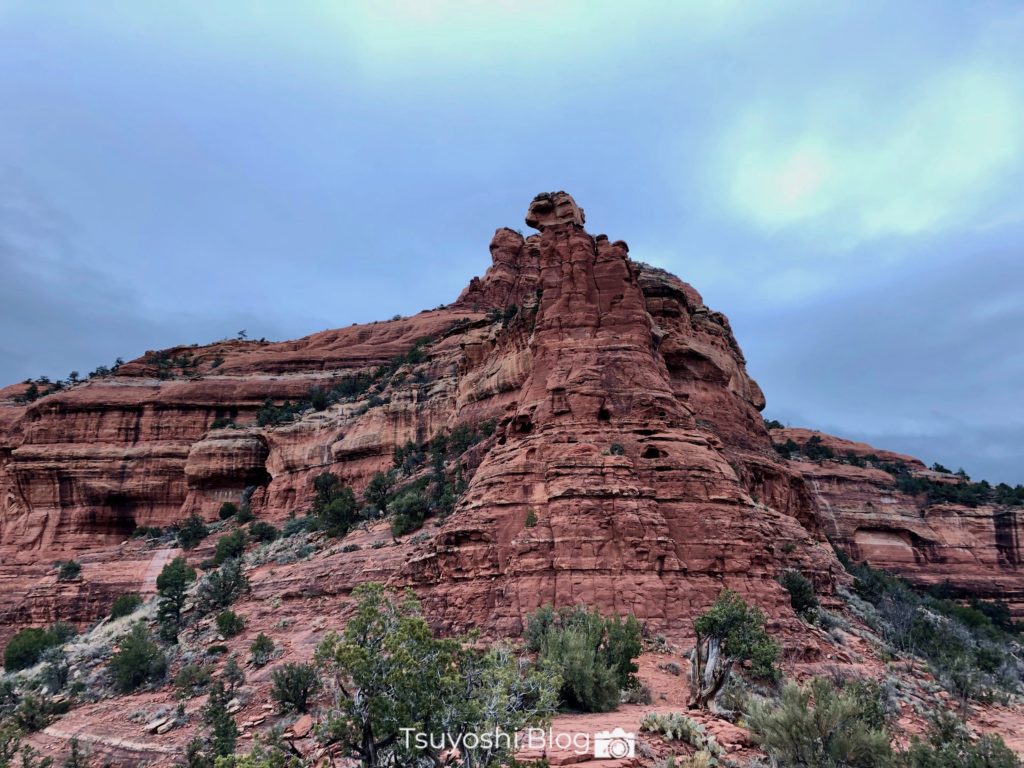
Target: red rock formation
pixel 626 422
pixel 638 507
pixel 975 550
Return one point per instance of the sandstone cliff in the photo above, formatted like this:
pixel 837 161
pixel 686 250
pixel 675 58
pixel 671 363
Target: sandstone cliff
pixel 933 528
pixel 625 424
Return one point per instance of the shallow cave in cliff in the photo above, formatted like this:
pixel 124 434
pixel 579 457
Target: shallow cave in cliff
pixel 114 519
pixel 651 452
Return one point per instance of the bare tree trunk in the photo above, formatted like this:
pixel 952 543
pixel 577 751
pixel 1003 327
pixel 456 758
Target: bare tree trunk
pixel 709 672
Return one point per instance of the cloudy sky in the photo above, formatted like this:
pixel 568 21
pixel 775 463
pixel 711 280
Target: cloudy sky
pixel 844 180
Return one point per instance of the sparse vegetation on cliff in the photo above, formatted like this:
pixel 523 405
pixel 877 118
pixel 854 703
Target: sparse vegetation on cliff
pixel 44 385
pixel 801 591
pixel 334 510
pixel 229 546
pixel 125 605
pixel 220 588
pixel 69 570
pixel 956 488
pixel 260 650
pixel 968 651
pixel 963 491
pixel 26 646
pixel 229 623
pixel 138 661
pixel 191 531
pixel 271 415
pixel 172 585
pixel 293 685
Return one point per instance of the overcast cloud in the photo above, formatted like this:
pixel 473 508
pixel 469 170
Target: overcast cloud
pixel 846 182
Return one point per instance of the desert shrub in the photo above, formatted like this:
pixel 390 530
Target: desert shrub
pixel 138 660
pixel 63 631
pixel 233 676
pixel 678 727
pixel 319 398
pixel 223 733
pixel 77 757
pixel 227 510
pixel 351 548
pixel 728 633
pixel 261 649
pixel 215 746
pixel 965 649
pixel 55 672
pixel 229 623
pixel 33 713
pixel 245 513
pixel 192 680
pixel 69 570
pixel 191 531
pixel 222 587
pixel 262 532
pixel 787 449
pixel 595 655
pixel 638 694
pixel 409 509
pixel 125 605
pixel 217 649
pixel 230 546
pixel 948 745
pixel 407 458
pixel 26 646
pixel 816 450
pixel 171 586
pixel 672 668
pixel 292 686
pixel 818 727
pixel 388 670
pixel 379 490
pixel 295 525
pixel 617 449
pixel 148 532
pixel 801 591
pixel 270 415
pixel 531 518
pixel 875 705
pixel 335 509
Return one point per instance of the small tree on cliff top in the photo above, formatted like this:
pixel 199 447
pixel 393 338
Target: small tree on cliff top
pixel 729 632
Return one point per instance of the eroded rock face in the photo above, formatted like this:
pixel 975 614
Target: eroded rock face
pixel 550 209
pixel 974 550
pixel 626 424
pixel 637 505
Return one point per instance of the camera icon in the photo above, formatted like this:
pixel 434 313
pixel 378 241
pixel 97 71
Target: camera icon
pixel 615 744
